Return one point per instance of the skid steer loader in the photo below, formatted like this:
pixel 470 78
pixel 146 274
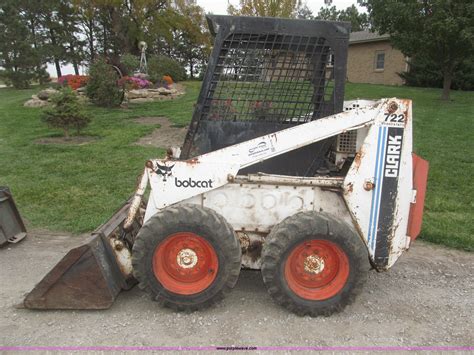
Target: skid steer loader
pixel 276 173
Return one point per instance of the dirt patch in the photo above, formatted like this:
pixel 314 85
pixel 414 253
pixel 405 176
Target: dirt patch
pixel 79 140
pixel 168 135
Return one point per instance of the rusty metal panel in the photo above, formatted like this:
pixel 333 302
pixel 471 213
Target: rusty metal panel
pixel 251 244
pixel 420 179
pixel 257 207
pixel 12 228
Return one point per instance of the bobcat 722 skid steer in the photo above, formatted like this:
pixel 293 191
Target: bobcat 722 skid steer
pixel 276 173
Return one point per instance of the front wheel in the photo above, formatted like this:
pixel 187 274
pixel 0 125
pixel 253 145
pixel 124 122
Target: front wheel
pixel 186 257
pixel 313 264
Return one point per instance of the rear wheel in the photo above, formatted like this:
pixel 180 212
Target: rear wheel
pixel 186 257
pixel 314 264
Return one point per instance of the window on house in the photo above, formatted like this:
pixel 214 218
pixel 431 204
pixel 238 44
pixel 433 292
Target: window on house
pixel 379 60
pixel 330 63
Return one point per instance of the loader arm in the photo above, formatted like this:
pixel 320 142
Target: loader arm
pixel 265 147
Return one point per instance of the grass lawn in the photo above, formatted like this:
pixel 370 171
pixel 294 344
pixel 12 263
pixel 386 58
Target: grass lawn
pixel 76 188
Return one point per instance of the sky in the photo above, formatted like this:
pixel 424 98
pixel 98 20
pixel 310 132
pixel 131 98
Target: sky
pixel 219 7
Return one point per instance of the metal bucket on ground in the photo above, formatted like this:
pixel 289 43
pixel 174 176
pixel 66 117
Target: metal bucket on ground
pixel 12 228
pixel 92 275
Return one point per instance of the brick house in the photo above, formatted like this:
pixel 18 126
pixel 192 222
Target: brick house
pixel 373 60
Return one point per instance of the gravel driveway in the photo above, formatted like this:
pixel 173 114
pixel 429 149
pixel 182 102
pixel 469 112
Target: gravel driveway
pixel 426 299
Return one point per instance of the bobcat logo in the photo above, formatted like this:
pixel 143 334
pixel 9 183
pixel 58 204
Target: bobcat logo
pixel 164 170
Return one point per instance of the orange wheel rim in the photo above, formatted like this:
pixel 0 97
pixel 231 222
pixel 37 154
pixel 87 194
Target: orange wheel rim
pixel 185 263
pixel 316 269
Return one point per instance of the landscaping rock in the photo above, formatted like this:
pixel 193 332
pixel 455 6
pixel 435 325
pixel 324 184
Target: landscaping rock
pixel 140 100
pixel 46 93
pixel 154 94
pixel 164 91
pixel 36 103
pixel 136 94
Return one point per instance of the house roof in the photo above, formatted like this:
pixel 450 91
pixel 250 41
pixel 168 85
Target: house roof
pixel 366 36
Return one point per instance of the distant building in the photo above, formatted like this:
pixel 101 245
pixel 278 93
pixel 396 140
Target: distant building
pixel 372 59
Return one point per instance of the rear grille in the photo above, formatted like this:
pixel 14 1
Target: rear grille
pixel 347 142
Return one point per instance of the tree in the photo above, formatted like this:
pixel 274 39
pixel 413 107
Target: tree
pixel 54 32
pixel 87 12
pixel 102 87
pixel 159 66
pixel 191 40
pixel 359 20
pixel 34 33
pixel 427 73
pixel 70 29
pixel 28 14
pixel 441 30
pixel 269 8
pixel 19 56
pixel 304 13
pixel 66 112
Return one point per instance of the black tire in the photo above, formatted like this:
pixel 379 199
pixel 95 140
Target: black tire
pixel 208 225
pixel 301 228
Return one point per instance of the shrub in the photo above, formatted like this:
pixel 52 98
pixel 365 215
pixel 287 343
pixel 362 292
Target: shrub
pixel 131 82
pixel 129 63
pixel 102 87
pixel 262 109
pixel 160 66
pixel 18 79
pixel 42 75
pixel 73 81
pixel 66 112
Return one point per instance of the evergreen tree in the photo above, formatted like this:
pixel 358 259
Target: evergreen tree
pixel 70 34
pixel 66 113
pixel 19 57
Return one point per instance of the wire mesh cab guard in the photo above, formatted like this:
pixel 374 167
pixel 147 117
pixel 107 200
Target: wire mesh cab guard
pixel 264 75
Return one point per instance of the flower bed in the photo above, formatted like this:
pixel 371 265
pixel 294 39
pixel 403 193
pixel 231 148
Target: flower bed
pixel 73 81
pixel 168 79
pixel 133 83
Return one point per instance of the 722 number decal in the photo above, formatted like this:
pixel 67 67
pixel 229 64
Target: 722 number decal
pixel 394 118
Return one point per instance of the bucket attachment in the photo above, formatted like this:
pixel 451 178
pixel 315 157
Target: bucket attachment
pixel 92 275
pixel 12 229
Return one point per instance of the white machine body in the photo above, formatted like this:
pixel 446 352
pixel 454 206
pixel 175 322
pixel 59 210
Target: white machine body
pixel 374 195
